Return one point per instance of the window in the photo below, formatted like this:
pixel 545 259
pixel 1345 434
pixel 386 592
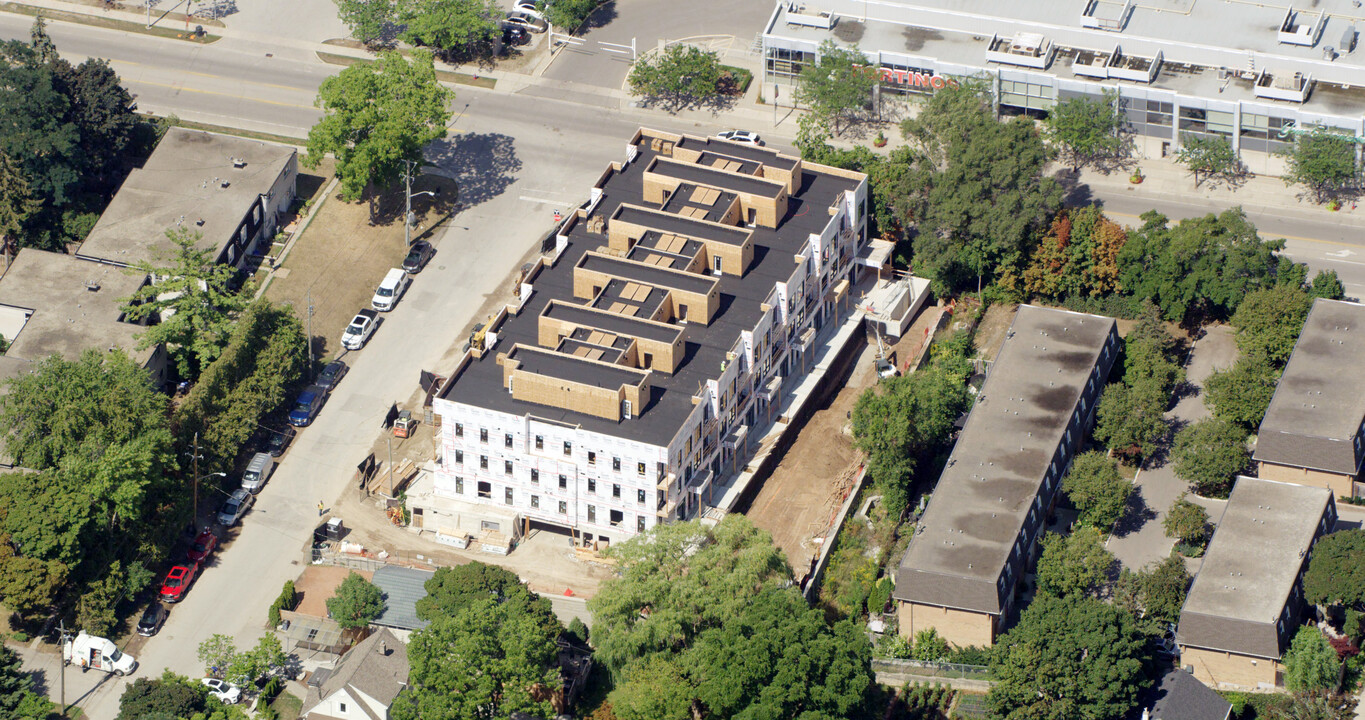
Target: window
pixel 483 435
pixel 640 496
pixel 535 501
pixel 485 490
pixel 617 517
pixel 535 476
pixel 592 485
pixel 506 467
pixel 592 458
pixel 616 464
pixel 640 469
pixel 483 462
pixel 507 440
pixel 640 524
pixel 459 457
pixel 592 513
pixel 540 442
pixel 568 448
pixel 507 496
pixel 563 482
pixel 616 490
pixel 459 486
pixel 342 706
pixel 459 429
pixel 563 507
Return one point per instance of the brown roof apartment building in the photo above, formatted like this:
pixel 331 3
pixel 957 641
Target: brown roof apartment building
pixel 980 531
pixel 1246 602
pixel 1312 432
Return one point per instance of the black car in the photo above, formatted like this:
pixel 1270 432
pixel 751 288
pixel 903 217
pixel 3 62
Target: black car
pixel 331 375
pixel 418 255
pixel 152 619
pixel 276 442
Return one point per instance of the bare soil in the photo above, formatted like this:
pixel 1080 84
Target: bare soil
pixel 990 332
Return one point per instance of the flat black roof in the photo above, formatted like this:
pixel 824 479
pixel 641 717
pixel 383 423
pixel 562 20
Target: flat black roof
pixel 679 225
pixel 601 353
pixel 743 151
pixel 649 274
pixel 612 322
pixel 621 295
pixel 742 165
pixel 670 400
pixel 705 175
pixel 689 199
pixel 568 367
pixel 654 256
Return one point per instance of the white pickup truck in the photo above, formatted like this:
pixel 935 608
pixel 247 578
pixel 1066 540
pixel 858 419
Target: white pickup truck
pixel 359 331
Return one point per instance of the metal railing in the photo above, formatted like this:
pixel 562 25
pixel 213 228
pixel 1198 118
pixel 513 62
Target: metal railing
pixel 931 669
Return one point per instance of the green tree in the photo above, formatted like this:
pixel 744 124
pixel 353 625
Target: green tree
pixel 1241 394
pixel 1086 130
pixel 453 588
pixel 1075 564
pixel 1094 485
pixel 17 203
pixel 217 653
pixel 1314 705
pixel 1187 523
pixel 1210 454
pixel 1310 663
pixel 679 77
pixel 1323 161
pixel 457 29
pixel 356 602
pixel 1325 285
pixel 17 697
pixel 1268 321
pixel 1209 157
pixel 929 647
pixel 1072 658
pixel 367 19
pixel 1155 593
pixel 377 117
pixel 171 695
pixel 568 15
pixel 1131 420
pixel 192 302
pixel 837 86
pixel 1336 573
pixel 245 668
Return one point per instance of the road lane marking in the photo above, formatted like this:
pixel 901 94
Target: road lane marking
pixel 222 94
pixel 1273 235
pixel 209 75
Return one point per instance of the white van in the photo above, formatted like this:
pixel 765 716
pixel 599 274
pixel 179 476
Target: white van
pixel 390 290
pixel 257 471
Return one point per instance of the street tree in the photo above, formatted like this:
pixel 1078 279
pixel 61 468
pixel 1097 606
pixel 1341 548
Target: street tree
pixel 1085 129
pixel 356 602
pixel 1073 658
pixel 249 666
pixel 191 302
pixel 1323 161
pixel 1209 157
pixel 455 29
pixel 568 15
pixel 1268 321
pixel 1241 393
pixel 837 87
pixel 1097 489
pixel 1131 420
pixel 169 696
pixel 378 117
pixel 367 19
pixel 681 76
pixel 1325 285
pixel 217 653
pixel 1075 564
pixel 1155 593
pixel 1336 573
pixel 1187 523
pixel 1210 454
pixel 1310 663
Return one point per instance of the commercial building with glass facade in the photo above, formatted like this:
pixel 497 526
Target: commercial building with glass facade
pixel 1251 72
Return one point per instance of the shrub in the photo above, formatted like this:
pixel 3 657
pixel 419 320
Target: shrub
pixel 578 630
pixel 880 595
pixel 1355 624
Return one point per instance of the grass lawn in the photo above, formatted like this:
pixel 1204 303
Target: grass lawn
pixel 111 23
pixel 287 706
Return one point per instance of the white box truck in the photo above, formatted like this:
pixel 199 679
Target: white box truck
pixel 89 651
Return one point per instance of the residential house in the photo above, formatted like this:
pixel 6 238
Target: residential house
pixel 364 683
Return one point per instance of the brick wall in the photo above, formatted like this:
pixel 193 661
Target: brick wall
pixel 1340 485
pixel 1224 669
pixel 959 627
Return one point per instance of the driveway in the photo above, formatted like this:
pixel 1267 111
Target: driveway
pixel 1139 538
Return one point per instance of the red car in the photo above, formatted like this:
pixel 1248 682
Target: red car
pixel 203 545
pixel 178 581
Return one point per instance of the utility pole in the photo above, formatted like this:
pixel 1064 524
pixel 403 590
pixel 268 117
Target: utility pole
pixel 61 627
pixel 407 202
pixel 194 512
pixel 310 334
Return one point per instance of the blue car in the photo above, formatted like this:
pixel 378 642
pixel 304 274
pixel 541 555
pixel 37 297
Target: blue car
pixel 307 406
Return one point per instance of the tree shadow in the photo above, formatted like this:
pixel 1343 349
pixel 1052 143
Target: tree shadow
pixel 603 15
pixel 1136 513
pixel 483 165
pixel 1161 454
pixel 1074 192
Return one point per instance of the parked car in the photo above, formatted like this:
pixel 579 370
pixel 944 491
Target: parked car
pixel 525 21
pixel 203 546
pixel 393 286
pixel 885 369
pixel 528 7
pixel 421 251
pixel 515 36
pixel 741 136
pixel 223 690
pixel 306 407
pixel 257 471
pixel 359 331
pixel 235 507
pixel 178 582
pixel 331 375
pixel 152 619
pixel 276 442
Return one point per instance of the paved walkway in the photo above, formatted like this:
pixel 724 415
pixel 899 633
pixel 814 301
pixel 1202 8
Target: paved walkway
pixel 1139 538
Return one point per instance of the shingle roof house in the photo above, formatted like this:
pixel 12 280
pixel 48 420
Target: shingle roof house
pixel 364 684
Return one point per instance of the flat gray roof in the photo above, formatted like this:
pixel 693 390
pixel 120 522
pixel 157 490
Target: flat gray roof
pixel 681 225
pixel 1319 403
pixel 1001 458
pixel 1250 566
pixel 181 184
pixel 716 178
pixel 76 305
